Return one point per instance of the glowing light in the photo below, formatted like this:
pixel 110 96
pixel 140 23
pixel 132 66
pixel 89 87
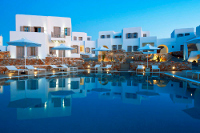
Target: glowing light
pixel 107 72
pixel 88 66
pixel 45 105
pixel 173 67
pixel 35 68
pixel 132 57
pixel 143 67
pixel 191 94
pixel 173 75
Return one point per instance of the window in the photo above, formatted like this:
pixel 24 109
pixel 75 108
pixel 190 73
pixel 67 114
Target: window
pixel 172 46
pixel 80 38
pixel 87 50
pixel 75 38
pixel 88 38
pixel 118 36
pixel 74 84
pixel 187 34
pixel 108 36
pixel 182 48
pixel 114 47
pixel 102 36
pixel 180 35
pixel 75 51
pixel 65 31
pixel 128 35
pixel 93 52
pixel 32 84
pixel 37 29
pixel 87 80
pixel 135 35
pixel 135 48
pixel 53 52
pixel 144 35
pixel 119 47
pixel 33 51
pixel 26 29
pixel 129 49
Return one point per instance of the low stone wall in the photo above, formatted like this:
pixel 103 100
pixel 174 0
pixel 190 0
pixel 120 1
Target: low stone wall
pixel 5 54
pixel 120 55
pixel 164 66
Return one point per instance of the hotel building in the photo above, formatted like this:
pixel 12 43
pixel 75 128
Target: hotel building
pixel 50 32
pixel 53 31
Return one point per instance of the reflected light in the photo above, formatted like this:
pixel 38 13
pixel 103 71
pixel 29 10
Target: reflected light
pixel 191 94
pixel 173 67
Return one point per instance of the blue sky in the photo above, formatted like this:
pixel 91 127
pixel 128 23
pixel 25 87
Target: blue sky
pixel 157 16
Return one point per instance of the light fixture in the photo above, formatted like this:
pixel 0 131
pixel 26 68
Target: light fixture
pixel 191 94
pixel 173 67
pixel 88 66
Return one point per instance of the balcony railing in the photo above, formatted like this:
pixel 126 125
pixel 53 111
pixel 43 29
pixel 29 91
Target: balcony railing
pixel 61 35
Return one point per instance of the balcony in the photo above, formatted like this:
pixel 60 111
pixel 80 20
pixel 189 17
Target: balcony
pixel 60 35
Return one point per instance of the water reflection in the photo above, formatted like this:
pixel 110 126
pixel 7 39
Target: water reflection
pixel 52 96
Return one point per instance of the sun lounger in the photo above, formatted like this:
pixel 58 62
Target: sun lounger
pixel 95 67
pixel 106 67
pixel 155 67
pixel 197 72
pixel 140 67
pixel 13 68
pixel 29 67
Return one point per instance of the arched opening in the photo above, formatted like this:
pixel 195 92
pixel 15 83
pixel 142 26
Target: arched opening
pixel 163 49
pixel 105 46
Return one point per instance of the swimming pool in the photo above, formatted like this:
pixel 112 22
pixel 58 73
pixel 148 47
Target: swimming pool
pixel 88 102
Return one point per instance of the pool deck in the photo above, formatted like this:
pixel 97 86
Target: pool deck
pixel 175 74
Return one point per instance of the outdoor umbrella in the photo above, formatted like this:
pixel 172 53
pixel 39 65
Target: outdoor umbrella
pixel 101 49
pixel 62 47
pixel 148 47
pixel 24 43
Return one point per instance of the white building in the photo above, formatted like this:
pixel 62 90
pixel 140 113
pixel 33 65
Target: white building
pixel 52 31
pixel 48 31
pixel 85 43
pixel 130 39
pixel 2 48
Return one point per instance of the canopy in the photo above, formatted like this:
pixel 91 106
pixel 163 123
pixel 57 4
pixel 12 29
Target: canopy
pixel 24 43
pixel 194 40
pixel 148 47
pixel 62 47
pixel 101 49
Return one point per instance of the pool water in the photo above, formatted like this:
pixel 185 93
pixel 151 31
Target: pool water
pixel 92 103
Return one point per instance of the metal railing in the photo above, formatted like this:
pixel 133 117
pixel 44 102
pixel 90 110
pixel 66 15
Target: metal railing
pixel 61 35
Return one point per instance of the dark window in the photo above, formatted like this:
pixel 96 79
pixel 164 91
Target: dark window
pixel 135 35
pixel 114 84
pixel 65 31
pixel 102 36
pixel 52 83
pixel 119 83
pixel 87 50
pixel 187 34
pixel 181 84
pixel 75 50
pixel 180 35
pixel 37 29
pixel 74 84
pixel 26 29
pixel 61 83
pixel 108 36
pixel 129 48
pixel 93 80
pixel 114 47
pixel 80 38
pixel 135 48
pixel 20 85
pixel 172 46
pixel 181 47
pixel 75 38
pixel 144 35
pixel 88 38
pixel 93 52
pixel 128 82
pixel 131 95
pixel 178 96
pixel 119 47
pixel 32 84
pixel 128 35
pixel 87 80
pixel 118 36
